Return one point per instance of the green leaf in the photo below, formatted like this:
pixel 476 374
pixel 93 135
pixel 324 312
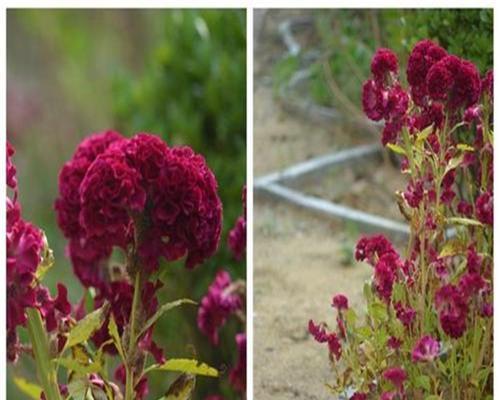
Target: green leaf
pixel 47 260
pixel 113 332
pixel 350 317
pixel 454 163
pixel 396 148
pixel 163 309
pixel 40 344
pixel 452 247
pixel 73 365
pixel 377 311
pixel 463 221
pixel 84 328
pixel 424 382
pixel 78 389
pixel 465 147
pixel 433 397
pixel 181 389
pixel 398 292
pixel 189 366
pixel 32 390
pixel 423 135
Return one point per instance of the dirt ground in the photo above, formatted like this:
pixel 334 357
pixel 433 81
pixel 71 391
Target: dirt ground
pixel 299 257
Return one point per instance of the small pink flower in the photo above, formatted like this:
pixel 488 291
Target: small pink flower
pixel 396 375
pixel 451 305
pixel 371 248
pixel 318 332
pixel 405 314
pixel 426 349
pixel 384 62
pixel 340 302
pixel 359 396
pixel 217 305
pixel 484 208
pixel 394 343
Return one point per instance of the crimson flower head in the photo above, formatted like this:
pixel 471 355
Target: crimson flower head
pixel 426 349
pixel 371 248
pixel 384 62
pixel 484 208
pixel 340 302
pixel 140 193
pixel 396 375
pixel 217 305
pixel 452 308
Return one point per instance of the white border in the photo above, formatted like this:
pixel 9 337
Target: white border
pixel 249 4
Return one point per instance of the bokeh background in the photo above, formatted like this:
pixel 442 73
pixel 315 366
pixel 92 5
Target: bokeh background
pixel 178 73
pixel 309 67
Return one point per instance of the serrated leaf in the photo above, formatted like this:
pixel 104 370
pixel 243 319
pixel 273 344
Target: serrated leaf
pixel 189 366
pixel 84 328
pixel 424 382
pixel 396 148
pixel 113 332
pixel 32 390
pixel 181 389
pixel 463 221
pixel 163 309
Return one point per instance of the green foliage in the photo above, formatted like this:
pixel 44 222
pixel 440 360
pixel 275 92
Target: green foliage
pixel 467 33
pixel 193 91
pixel 348 39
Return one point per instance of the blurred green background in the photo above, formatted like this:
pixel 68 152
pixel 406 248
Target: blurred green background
pixel 346 40
pixel 177 73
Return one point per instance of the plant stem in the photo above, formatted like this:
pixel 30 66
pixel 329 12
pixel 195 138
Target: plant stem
pixel 129 387
pixel 45 368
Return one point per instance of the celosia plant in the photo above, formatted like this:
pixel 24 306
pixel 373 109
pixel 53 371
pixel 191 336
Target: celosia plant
pixel 147 200
pixel 427 332
pixel 224 299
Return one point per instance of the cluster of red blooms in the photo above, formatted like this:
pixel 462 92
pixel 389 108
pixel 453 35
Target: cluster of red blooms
pixel 446 95
pixel 146 198
pixel 26 249
pixel 115 190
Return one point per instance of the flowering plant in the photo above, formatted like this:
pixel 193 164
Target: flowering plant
pixel 123 205
pixel 427 333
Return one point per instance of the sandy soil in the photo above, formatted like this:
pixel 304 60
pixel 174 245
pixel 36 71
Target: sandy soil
pixel 299 258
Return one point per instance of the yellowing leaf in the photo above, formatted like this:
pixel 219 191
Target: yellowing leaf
pixel 31 390
pixel 73 365
pixel 396 148
pixel 463 221
pixel 113 332
pixel 181 389
pixel 189 366
pixel 47 260
pixel 454 163
pixel 86 327
pixel 452 247
pixel 423 135
pixel 465 147
pixel 163 309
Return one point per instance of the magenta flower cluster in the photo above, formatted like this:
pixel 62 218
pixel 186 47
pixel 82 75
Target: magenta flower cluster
pixel 26 246
pixel 115 191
